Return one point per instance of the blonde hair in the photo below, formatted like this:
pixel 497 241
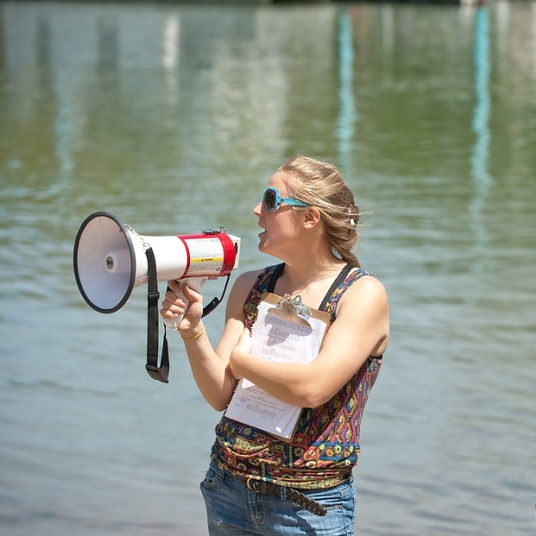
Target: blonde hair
pixel 321 185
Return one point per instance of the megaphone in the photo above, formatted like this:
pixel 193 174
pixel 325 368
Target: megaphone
pixel 110 260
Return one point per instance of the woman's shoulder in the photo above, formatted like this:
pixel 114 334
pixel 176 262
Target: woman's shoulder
pixel 246 280
pixel 247 285
pixel 364 286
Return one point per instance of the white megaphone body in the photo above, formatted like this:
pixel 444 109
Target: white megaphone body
pixel 110 260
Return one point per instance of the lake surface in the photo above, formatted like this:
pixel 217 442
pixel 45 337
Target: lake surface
pixel 173 118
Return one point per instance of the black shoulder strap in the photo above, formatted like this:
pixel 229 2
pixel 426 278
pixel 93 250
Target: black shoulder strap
pixel 275 275
pixel 158 373
pixel 340 278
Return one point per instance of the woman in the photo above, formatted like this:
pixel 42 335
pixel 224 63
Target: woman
pixel 257 483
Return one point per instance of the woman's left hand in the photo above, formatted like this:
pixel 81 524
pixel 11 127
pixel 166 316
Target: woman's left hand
pixel 245 342
pixel 242 348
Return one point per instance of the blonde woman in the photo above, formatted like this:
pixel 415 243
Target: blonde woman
pixel 258 484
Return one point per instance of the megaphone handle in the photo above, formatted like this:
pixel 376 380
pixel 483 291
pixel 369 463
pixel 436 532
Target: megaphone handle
pixel 195 283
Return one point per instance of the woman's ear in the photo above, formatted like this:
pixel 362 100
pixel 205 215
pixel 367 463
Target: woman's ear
pixel 311 217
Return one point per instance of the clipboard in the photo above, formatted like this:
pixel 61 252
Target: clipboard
pixel 285 330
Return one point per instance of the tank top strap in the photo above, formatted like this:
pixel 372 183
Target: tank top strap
pixel 273 276
pixel 338 280
pixel 265 282
pixel 349 275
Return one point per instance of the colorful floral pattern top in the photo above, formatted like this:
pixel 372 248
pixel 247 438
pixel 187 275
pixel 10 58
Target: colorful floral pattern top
pixel 325 445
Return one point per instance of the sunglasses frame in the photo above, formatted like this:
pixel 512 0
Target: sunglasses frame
pixel 279 200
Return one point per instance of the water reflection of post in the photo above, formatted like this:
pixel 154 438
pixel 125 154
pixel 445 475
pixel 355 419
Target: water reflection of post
pixel 344 131
pixel 479 160
pixel 171 55
pixel 63 127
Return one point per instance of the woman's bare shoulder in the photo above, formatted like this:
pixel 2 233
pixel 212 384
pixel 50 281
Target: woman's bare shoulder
pixel 246 279
pixel 242 286
pixel 366 290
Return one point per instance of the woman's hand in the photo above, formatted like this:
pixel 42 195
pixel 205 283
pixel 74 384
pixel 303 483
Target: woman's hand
pixel 240 351
pixel 184 303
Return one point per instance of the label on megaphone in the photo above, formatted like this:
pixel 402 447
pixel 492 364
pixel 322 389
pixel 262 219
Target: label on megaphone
pixel 209 255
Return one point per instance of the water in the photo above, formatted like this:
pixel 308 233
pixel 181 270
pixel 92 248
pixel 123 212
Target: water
pixel 172 118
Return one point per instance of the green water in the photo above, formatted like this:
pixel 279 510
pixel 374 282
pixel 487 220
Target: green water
pixel 172 118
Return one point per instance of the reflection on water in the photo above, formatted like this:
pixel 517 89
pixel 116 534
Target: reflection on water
pixel 479 160
pixel 347 107
pixel 172 118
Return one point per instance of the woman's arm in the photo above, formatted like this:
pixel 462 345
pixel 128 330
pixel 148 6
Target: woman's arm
pixel 360 330
pixel 210 367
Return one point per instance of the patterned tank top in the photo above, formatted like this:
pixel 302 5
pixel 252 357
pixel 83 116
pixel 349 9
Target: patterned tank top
pixel 325 445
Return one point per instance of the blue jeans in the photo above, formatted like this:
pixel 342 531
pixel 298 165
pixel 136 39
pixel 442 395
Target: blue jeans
pixel 235 510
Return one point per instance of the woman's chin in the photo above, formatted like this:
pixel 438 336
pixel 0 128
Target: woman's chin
pixel 262 243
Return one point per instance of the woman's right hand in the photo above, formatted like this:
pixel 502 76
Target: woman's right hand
pixel 184 303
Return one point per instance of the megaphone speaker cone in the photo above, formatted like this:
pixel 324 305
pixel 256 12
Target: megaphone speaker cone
pixel 104 262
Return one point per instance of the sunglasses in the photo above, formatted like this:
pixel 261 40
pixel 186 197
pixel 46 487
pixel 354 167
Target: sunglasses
pixel 271 200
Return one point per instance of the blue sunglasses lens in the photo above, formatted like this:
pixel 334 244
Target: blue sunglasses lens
pixel 270 199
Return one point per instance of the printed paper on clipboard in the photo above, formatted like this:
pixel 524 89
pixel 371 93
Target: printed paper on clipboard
pixel 285 331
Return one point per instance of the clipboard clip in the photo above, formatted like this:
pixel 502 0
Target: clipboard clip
pixel 292 309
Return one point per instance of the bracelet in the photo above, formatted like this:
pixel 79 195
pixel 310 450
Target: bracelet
pixel 194 336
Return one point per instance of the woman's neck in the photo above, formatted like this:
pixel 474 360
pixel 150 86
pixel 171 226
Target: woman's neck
pixel 309 277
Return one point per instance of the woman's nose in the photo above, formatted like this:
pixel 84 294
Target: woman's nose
pixel 257 209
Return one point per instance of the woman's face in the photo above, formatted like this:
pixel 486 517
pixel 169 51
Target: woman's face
pixel 280 227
